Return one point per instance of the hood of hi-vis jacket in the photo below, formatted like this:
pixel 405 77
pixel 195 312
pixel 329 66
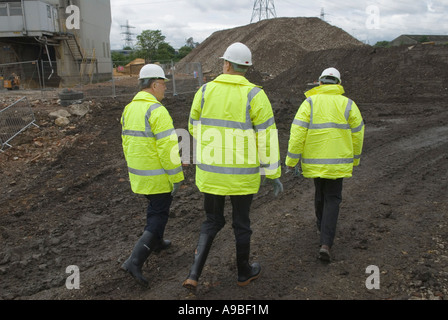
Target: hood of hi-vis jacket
pixel 150 146
pixel 234 127
pixel 332 89
pixel 327 134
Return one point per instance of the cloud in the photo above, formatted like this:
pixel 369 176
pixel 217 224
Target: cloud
pixel 222 6
pixel 181 19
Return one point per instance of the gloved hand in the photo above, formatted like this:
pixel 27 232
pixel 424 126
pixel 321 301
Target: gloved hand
pixel 176 188
pixel 278 186
pixel 296 170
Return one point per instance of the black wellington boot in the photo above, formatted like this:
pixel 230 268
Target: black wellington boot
pixel 162 245
pixel 141 252
pixel 200 256
pixel 246 272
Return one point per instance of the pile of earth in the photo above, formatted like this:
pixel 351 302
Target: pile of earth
pixel 397 74
pixel 276 44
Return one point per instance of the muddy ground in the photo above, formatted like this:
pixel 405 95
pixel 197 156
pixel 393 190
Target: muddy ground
pixel 65 201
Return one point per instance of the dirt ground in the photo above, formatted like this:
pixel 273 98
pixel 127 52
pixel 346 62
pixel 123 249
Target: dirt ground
pixel 65 201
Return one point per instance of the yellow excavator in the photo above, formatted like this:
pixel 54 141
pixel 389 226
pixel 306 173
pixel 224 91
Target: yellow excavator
pixel 12 82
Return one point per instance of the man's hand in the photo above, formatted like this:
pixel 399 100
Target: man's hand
pixel 295 169
pixel 176 188
pixel 278 186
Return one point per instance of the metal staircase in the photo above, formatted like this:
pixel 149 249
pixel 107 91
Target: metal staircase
pixel 85 60
pixel 74 47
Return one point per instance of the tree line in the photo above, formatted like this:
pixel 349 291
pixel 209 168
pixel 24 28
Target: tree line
pixel 152 47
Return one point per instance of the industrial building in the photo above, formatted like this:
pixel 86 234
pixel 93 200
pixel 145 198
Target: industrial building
pixel 68 40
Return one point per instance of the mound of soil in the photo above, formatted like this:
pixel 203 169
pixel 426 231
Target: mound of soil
pixel 276 44
pixel 397 74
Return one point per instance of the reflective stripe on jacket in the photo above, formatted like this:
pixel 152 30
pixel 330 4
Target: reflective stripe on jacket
pixel 150 146
pixel 234 127
pixel 326 135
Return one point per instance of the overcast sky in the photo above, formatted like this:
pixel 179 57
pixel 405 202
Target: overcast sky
pixel 367 20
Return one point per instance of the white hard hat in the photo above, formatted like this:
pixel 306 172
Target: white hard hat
pixel 330 72
pixel 238 53
pixel 152 71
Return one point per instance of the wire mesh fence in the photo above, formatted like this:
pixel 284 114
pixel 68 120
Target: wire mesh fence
pixel 95 79
pixel 184 78
pixel 19 80
pixel 14 119
pixel 20 75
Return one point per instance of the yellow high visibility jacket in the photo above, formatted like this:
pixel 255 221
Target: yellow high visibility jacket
pixel 327 134
pixel 236 137
pixel 150 146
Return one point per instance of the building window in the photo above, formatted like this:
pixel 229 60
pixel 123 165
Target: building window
pixel 15 9
pixel 3 10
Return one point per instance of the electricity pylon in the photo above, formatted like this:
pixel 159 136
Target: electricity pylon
pixel 263 9
pixel 128 34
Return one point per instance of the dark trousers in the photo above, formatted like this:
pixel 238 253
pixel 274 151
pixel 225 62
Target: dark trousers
pixel 214 209
pixel 157 213
pixel 327 199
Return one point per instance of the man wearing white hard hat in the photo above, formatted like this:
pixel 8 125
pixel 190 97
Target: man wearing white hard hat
pixel 327 137
pixel 152 154
pixel 244 146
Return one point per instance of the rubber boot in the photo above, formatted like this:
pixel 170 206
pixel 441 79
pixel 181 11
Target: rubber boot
pixel 162 245
pixel 141 252
pixel 246 272
pixel 200 256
